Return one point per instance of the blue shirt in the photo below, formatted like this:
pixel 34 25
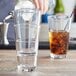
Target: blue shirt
pixel 7 6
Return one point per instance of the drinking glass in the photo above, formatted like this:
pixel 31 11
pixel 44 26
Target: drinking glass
pixel 59 27
pixel 27 32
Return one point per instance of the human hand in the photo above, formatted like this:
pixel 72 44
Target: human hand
pixel 41 5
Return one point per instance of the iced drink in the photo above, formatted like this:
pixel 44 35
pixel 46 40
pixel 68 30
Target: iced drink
pixel 58 42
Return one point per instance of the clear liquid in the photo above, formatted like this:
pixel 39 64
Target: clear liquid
pixel 26 56
pixel 26 61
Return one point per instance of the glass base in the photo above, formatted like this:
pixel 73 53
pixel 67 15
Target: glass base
pixel 22 68
pixel 57 56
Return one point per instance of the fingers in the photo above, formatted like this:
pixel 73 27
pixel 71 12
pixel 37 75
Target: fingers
pixel 41 5
pixel 36 3
pixel 46 6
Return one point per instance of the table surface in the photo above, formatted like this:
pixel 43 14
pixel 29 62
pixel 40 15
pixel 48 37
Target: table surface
pixel 46 66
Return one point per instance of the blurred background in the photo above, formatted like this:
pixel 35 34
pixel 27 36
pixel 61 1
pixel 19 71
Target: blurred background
pixel 8 42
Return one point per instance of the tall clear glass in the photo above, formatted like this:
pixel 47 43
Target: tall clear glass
pixel 27 33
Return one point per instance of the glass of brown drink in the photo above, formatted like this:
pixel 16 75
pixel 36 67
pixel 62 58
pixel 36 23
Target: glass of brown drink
pixel 59 27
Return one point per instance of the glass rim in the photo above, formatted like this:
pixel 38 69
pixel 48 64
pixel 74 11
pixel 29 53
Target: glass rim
pixel 28 10
pixel 59 17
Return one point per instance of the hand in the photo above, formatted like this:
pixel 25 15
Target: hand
pixel 41 5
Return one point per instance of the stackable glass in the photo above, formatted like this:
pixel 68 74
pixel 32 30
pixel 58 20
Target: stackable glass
pixel 59 27
pixel 27 32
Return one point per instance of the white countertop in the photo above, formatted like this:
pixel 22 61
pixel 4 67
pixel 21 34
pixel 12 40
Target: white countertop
pixel 44 31
pixel 73 30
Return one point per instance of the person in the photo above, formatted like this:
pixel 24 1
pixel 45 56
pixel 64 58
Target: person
pixel 7 6
pixel 41 5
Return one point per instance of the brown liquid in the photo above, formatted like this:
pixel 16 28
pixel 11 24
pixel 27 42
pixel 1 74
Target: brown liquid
pixel 58 42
